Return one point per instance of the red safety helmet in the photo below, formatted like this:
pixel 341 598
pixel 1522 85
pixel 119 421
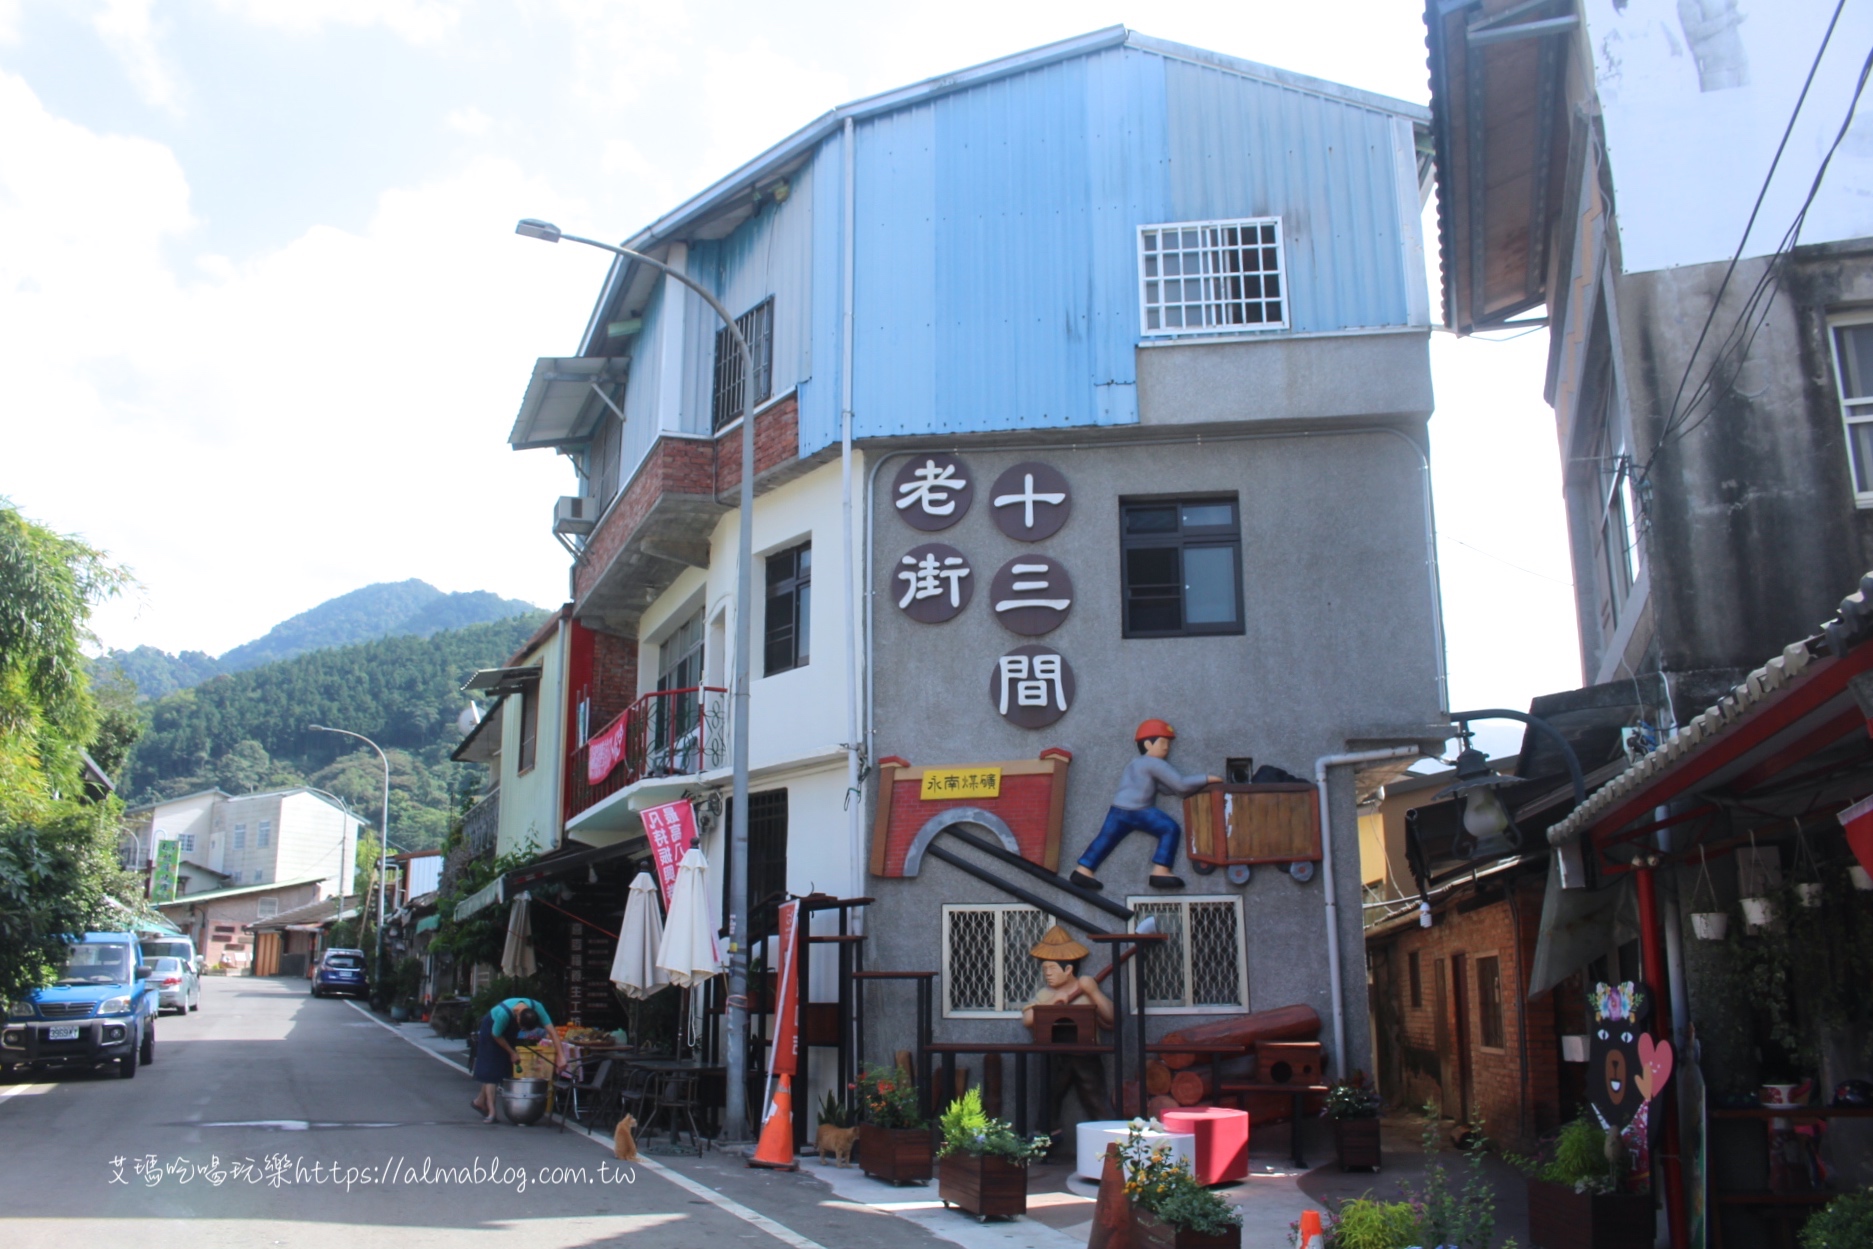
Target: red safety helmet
pixel 1153 728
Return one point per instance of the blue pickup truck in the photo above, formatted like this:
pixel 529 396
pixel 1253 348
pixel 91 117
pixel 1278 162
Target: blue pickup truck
pixel 101 1009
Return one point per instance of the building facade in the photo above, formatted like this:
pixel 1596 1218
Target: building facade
pixel 228 841
pixel 1090 386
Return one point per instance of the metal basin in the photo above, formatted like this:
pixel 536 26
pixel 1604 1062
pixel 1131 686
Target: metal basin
pixel 524 1101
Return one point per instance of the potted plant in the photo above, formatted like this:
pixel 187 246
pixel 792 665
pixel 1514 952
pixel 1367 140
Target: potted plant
pixel 1843 1222
pixel 1363 1223
pixel 1170 1210
pixel 893 1139
pixel 1573 1197
pixel 984 1164
pixel 1354 1111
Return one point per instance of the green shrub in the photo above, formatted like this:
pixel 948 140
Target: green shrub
pixel 1367 1224
pixel 887 1098
pixel 969 1129
pixel 1843 1223
pixel 1576 1158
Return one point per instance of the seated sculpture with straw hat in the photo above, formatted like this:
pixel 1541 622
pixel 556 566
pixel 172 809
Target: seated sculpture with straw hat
pixel 1062 985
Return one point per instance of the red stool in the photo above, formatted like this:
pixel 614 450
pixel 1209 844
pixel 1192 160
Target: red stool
pixel 1222 1141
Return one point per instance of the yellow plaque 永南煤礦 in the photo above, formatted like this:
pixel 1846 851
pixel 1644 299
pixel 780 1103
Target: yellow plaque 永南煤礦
pixel 977 782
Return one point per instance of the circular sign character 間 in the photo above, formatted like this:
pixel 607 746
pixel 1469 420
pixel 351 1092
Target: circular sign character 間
pixel 1032 686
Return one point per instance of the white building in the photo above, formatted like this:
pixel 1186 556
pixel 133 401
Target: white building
pixel 224 841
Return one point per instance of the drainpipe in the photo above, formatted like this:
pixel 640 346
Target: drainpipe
pixel 1327 882
pixel 854 806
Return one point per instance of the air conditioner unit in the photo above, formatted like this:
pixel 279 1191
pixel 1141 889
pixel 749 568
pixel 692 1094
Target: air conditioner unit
pixel 575 513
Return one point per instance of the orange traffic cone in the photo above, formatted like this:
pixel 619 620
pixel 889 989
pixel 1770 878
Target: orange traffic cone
pixel 776 1147
pixel 1311 1235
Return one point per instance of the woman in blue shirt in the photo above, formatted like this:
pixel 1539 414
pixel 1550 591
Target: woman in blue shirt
pixel 495 1054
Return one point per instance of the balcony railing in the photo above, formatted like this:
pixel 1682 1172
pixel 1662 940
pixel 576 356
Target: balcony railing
pixel 666 733
pixel 482 827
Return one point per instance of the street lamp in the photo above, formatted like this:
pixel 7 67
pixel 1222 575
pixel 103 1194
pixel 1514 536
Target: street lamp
pixel 735 1109
pixel 383 844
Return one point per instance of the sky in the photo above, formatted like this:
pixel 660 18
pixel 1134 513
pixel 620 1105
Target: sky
pixel 264 323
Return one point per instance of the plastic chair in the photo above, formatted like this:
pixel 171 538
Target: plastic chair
pixel 676 1096
pixel 598 1088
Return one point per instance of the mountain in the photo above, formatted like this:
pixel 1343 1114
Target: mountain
pixel 246 731
pixel 410 608
pixel 387 609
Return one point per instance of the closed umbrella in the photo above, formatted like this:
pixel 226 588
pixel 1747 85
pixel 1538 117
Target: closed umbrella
pixel 517 953
pixel 688 950
pixel 634 969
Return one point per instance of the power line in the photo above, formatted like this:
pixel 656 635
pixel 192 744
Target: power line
pixel 1762 193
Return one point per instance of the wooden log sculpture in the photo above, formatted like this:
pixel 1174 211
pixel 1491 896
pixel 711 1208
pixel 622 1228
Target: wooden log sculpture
pixel 1157 1078
pixel 1190 1087
pixel 1284 1023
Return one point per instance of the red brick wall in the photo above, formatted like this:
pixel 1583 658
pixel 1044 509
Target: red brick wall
pixel 1514 1107
pixel 1024 805
pixel 614 676
pixel 776 441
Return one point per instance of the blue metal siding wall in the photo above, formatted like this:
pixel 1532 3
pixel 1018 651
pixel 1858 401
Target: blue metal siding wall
pixel 640 392
pixel 997 245
pixel 819 389
pixel 1242 148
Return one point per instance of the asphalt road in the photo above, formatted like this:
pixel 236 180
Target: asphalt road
pixel 269 1119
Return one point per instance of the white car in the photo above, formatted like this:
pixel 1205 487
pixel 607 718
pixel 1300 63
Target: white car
pixel 177 986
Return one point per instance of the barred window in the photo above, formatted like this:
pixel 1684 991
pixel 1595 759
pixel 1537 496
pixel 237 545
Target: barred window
pixel 987 970
pixel 1489 1000
pixel 1212 277
pixel 757 326
pixel 1201 966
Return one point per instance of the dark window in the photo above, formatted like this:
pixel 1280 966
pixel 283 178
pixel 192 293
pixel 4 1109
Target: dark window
pixel 767 857
pixel 789 609
pixel 529 727
pixel 1489 999
pixel 1181 567
pixel 1417 981
pixel 605 458
pixel 757 326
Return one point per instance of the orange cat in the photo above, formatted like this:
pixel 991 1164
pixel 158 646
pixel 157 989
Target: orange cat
pixel 837 1141
pixel 623 1143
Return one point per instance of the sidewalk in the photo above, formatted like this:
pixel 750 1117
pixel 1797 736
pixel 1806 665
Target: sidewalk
pixel 823 1206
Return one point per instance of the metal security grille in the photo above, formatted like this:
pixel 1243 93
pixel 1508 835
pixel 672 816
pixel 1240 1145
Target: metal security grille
pixel 67 1010
pixel 757 326
pixel 1201 966
pixel 987 970
pixel 1212 277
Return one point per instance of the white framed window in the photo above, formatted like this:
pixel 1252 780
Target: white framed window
pixel 1853 376
pixel 240 837
pixel 266 908
pixel 264 834
pixel 987 970
pixel 1201 968
pixel 1212 277
pixel 185 842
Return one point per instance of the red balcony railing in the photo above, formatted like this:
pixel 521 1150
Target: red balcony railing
pixel 666 733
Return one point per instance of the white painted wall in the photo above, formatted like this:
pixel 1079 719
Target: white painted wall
pixel 193 815
pixel 316 838
pixel 530 801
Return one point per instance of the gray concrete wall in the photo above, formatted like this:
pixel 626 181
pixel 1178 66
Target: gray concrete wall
pixel 1754 533
pixel 1338 649
pixel 1360 377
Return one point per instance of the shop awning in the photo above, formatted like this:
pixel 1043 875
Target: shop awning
pixel 492 894
pixel 564 398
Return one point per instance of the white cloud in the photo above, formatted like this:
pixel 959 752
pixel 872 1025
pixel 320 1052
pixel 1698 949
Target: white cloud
pixel 267 434
pixel 418 21
pixel 127 30
pixel 470 121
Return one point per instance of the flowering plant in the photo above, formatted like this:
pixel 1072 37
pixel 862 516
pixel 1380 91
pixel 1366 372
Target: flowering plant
pixel 887 1098
pixel 1160 1182
pixel 968 1129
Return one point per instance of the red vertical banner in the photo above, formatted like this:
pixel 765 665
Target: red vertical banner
pixel 671 830
pixel 784 1058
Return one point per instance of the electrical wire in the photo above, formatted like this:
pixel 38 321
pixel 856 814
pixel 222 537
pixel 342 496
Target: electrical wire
pixel 1741 243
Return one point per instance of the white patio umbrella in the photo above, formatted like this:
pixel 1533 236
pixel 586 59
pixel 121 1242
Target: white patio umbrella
pixel 688 951
pixel 517 952
pixel 634 969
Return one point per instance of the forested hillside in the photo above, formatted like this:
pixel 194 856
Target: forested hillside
pixel 247 731
pixel 388 609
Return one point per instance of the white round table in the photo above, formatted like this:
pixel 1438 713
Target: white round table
pixel 1094 1135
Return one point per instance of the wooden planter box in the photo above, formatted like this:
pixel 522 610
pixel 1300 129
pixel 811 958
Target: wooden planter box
pixel 1149 1233
pixel 1560 1218
pixel 1356 1142
pixel 895 1155
pixel 987 1187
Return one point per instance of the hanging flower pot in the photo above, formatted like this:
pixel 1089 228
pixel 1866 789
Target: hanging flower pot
pixel 1711 925
pixel 1758 912
pixel 1809 895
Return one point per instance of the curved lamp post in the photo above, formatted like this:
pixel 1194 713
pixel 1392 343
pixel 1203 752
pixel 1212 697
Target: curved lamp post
pixel 735 1109
pixel 1568 856
pixel 383 846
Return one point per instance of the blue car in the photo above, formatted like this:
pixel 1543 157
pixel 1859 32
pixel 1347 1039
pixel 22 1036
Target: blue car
pixel 340 971
pixel 102 1009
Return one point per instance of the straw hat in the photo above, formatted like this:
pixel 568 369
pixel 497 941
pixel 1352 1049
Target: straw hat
pixel 1057 947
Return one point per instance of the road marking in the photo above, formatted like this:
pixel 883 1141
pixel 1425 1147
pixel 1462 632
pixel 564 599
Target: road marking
pixel 19 1089
pixel 755 1218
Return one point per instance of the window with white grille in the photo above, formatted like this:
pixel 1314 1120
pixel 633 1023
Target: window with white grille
pixel 266 908
pixel 987 970
pixel 1212 277
pixel 1201 967
pixel 185 842
pixel 1853 375
pixel 240 836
